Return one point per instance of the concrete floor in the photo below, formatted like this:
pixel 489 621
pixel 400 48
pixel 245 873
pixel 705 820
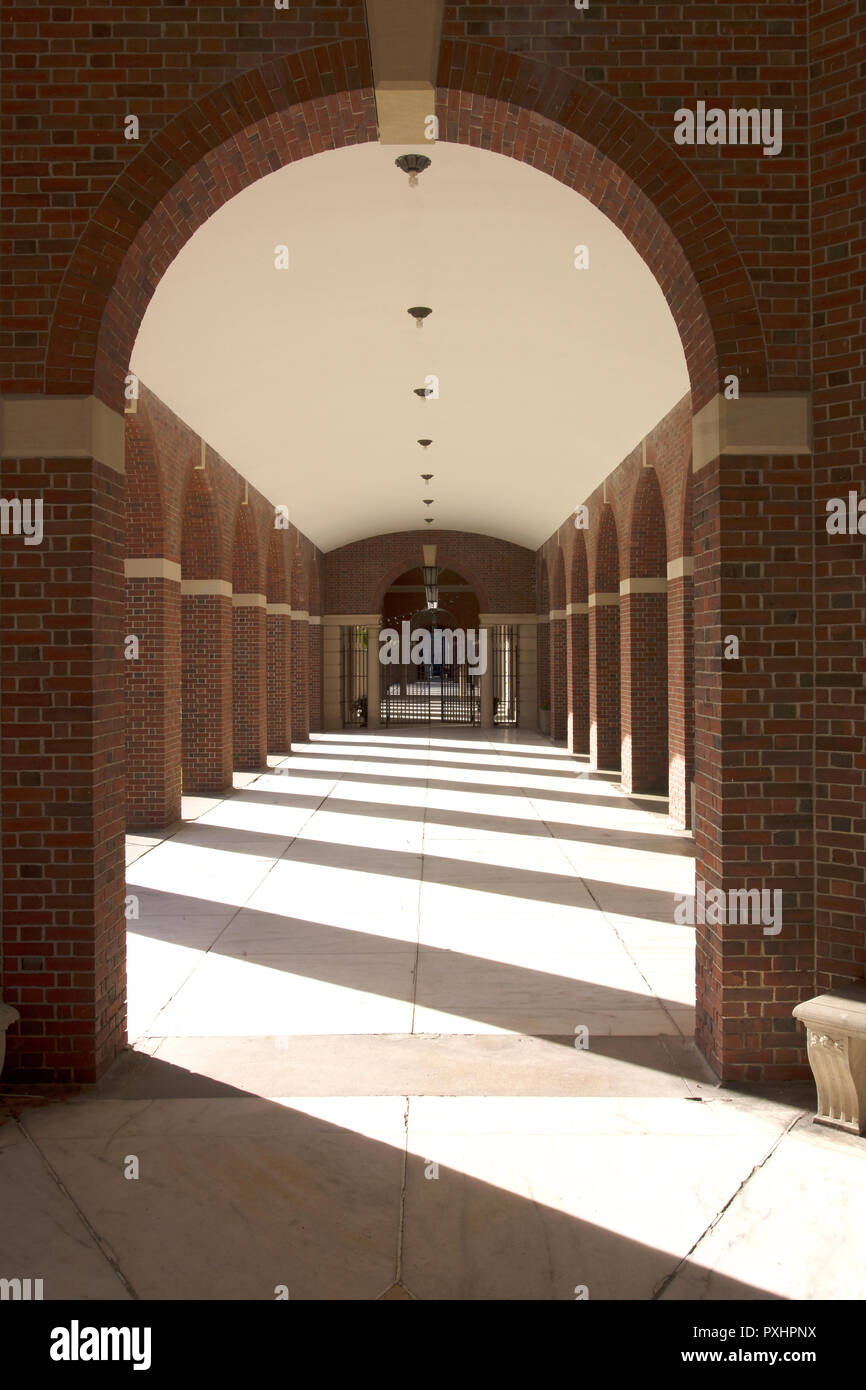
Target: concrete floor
pixel 355 990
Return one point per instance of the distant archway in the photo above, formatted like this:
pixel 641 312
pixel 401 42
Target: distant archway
pixel 426 675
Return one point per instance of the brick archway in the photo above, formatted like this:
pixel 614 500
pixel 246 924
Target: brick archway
pixel 443 562
pixel 322 99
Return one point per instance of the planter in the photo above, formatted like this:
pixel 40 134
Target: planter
pixel 544 721
pixel 8 1016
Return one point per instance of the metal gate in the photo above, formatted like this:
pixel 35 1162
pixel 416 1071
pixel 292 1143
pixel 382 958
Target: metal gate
pixel 444 693
pixel 353 675
pixel 504 660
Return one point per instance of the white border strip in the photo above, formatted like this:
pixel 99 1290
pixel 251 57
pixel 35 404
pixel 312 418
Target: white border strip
pixel 219 587
pixel 643 586
pixel 351 619
pixel 147 567
pixel 681 568
pixel 772 423
pixel 507 619
pixel 63 427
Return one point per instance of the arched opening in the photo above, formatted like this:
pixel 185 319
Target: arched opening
pixel 193 166
pixel 429 650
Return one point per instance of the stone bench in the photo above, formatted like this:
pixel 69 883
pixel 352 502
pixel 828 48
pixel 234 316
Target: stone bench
pixel 836 1040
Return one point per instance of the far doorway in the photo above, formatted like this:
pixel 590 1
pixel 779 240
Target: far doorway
pixel 440 687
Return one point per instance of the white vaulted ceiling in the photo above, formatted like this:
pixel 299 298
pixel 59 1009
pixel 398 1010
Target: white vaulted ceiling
pixel 303 378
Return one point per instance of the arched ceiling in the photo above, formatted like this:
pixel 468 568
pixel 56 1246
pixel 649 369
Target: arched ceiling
pixel 303 379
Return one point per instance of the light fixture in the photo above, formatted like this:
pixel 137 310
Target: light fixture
pixel 428 501
pixel 419 315
pixel 425 443
pixel 413 165
pixel 425 476
pixel 429 519
pixel 430 576
pixel 423 391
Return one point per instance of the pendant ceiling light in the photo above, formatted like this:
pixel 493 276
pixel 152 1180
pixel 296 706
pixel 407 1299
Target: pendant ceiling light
pixel 413 165
pixel 430 576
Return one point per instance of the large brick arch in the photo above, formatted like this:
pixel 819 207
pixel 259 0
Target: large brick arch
pixel 302 104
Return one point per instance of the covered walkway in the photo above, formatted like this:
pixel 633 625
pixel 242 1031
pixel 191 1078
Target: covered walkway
pixel 412 1018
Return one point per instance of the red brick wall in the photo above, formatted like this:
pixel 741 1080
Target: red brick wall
pixel 649 498
pixel 300 666
pixel 90 222
pixel 606 129
pixel 502 574
pixel 206 692
pixel 648 60
pixel 240 676
pixel 62 770
pixel 753 755
pixel 153 615
pixel 153 681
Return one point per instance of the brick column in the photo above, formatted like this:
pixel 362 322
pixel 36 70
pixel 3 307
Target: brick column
pixel 315 675
pixel 542 638
pixel 557 644
pixel 486 686
pixel 527 677
pixel 577 668
pixel 754 522
pixel 206 686
pixel 278 680
pixel 153 741
pixel 374 672
pixel 644 684
pixel 604 715
pixel 300 677
pixel 249 685
pixel 62 739
pixel 681 690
